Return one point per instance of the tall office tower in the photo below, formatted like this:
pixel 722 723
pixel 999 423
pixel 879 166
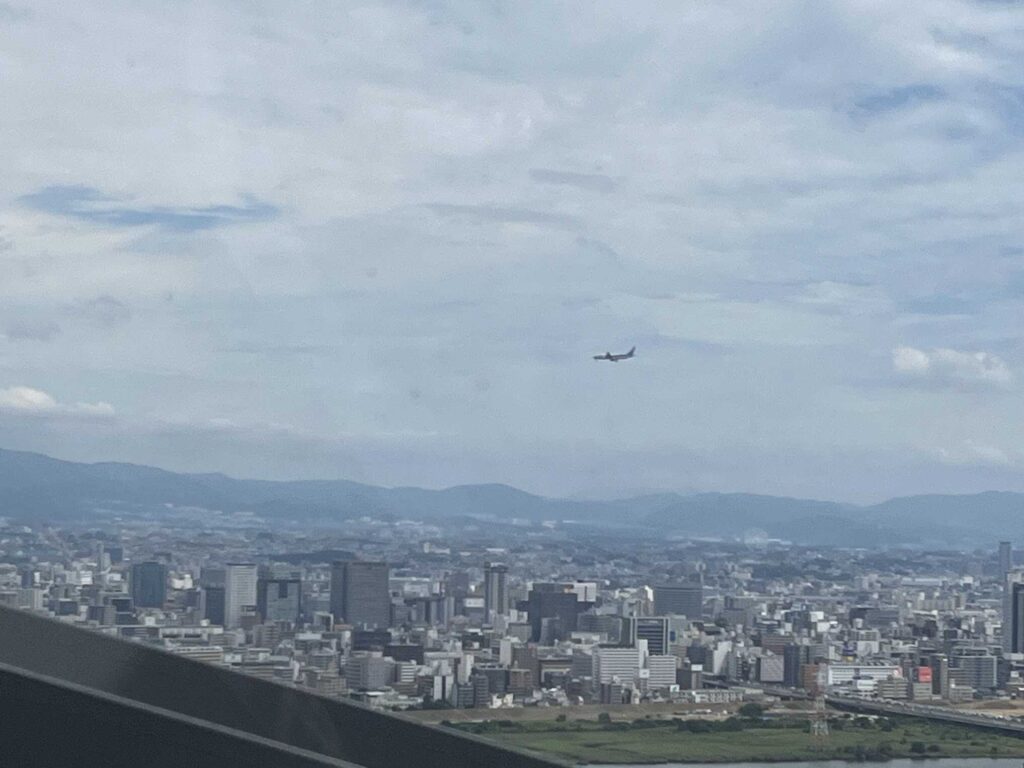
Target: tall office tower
pixel 679 600
pixel 794 657
pixel 653 629
pixel 337 603
pixel 1013 618
pixel 939 664
pixel 212 604
pixel 279 599
pixel 360 594
pixel 557 604
pixel 211 577
pixel 239 592
pixel 149 585
pixel 1005 558
pixel 618 662
pixel 495 589
pixel 977 667
pixel 609 625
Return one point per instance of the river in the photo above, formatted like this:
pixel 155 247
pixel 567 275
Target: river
pixel 946 762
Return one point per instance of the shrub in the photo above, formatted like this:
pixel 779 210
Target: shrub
pixel 698 726
pixel 752 710
pixel 733 724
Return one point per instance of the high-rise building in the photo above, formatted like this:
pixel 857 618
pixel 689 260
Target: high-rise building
pixel 939 664
pixel 368 670
pixel 793 658
pixel 556 604
pixel 495 589
pixel 1005 558
pixel 617 664
pixel 149 584
pixel 360 594
pixel 679 600
pixel 1013 619
pixel 662 671
pixel 279 599
pixel 338 589
pixel 653 629
pixel 610 625
pixel 213 604
pixel 977 667
pixel 239 592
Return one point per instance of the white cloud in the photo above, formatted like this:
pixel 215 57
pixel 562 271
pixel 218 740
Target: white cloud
pixel 36 401
pixel 951 365
pixel 973 453
pixel 26 399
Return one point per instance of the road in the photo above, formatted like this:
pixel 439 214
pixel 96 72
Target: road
pixel 944 714
pixel 903 709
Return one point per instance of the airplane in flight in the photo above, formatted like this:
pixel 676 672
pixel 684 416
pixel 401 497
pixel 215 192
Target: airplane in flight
pixel 615 358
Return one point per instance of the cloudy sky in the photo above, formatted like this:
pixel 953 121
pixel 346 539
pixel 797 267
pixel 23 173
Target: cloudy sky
pixel 381 242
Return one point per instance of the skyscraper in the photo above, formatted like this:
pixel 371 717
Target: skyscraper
pixel 213 604
pixel 495 589
pixel 679 600
pixel 360 593
pixel 239 591
pixel 1013 622
pixel 653 629
pixel 279 599
pixel 556 603
pixel 1005 558
pixel 149 584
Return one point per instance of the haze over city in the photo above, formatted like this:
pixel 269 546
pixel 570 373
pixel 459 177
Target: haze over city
pixel 382 243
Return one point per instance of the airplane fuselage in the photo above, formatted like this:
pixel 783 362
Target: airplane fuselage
pixel 615 358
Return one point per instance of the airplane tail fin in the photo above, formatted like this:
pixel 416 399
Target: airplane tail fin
pixel 631 351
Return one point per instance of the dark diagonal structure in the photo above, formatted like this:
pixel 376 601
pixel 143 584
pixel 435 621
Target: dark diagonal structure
pixel 72 697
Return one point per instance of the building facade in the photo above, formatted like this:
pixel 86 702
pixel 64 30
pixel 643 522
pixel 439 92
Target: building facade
pixel 149 585
pixel 240 580
pixel 679 600
pixel 359 593
pixel 495 589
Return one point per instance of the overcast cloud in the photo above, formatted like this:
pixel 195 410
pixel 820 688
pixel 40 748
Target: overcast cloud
pixel 381 242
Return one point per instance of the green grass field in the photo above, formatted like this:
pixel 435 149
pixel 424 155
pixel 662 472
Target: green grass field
pixel 654 742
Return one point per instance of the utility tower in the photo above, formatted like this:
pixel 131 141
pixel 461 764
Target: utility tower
pixel 819 717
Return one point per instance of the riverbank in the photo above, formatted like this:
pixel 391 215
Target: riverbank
pixel 648 741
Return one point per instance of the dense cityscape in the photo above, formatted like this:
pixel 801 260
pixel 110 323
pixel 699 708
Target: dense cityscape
pixel 518 385
pixel 488 614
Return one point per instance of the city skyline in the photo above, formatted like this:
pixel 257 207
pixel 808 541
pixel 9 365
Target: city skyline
pixel 908 652
pixel 382 243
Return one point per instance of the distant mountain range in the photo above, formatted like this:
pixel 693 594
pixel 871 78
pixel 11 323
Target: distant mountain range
pixel 35 488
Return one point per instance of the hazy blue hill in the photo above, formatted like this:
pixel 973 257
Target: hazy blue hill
pixel 740 510
pixel 34 487
pixel 994 510
pixel 906 520
pixel 297 498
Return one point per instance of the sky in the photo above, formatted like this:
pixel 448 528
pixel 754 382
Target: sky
pixel 382 242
